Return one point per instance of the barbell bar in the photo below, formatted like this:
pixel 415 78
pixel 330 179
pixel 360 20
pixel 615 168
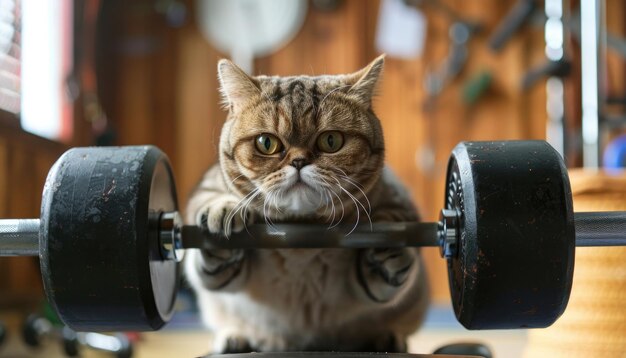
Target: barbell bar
pixel 109 235
pixel 20 237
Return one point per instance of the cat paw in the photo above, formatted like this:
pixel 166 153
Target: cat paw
pixel 221 268
pixel 232 344
pixel 390 343
pixel 222 216
pixel 384 271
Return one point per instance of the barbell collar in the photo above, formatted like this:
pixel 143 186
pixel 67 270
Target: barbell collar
pixel 448 231
pixel 19 237
pixel 170 224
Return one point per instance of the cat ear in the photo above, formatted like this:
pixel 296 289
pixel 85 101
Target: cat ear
pixel 236 86
pixel 365 80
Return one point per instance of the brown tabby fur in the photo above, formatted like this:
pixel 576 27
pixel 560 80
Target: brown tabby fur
pixel 330 310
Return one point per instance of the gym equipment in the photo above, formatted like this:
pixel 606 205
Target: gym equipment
pixel 469 349
pixel 519 14
pixel 514 269
pixel 3 333
pixel 614 156
pixel 109 236
pixel 334 354
pixel 38 329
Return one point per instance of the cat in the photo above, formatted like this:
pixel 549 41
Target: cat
pixel 309 149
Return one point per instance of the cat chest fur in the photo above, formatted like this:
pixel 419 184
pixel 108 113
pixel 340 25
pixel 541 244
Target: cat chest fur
pixel 305 288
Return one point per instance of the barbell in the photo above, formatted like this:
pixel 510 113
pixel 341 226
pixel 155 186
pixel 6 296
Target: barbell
pixel 109 237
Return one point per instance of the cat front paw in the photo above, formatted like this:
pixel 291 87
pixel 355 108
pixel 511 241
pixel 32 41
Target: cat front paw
pixel 391 343
pixel 384 271
pixel 223 216
pixel 231 344
pixel 237 344
pixel 222 269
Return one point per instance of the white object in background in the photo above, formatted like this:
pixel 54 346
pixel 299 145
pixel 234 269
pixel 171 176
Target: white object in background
pixel 401 30
pixel 42 89
pixel 245 29
pixel 7 30
pixel 591 48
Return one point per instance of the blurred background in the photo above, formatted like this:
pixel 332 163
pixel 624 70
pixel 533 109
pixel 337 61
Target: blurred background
pixel 95 72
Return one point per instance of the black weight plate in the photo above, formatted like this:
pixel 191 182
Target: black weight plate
pixel 515 259
pixel 100 258
pixel 333 355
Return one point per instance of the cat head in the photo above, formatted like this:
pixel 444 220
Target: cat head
pixel 301 146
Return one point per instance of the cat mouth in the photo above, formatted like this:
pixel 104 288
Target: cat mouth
pixel 299 185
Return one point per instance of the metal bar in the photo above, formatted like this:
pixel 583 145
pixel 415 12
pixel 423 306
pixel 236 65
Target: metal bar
pixel 591 47
pixel 555 33
pixel 600 228
pixel 258 236
pixel 19 237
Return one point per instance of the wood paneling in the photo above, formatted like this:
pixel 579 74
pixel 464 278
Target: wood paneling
pixel 24 163
pixel 168 95
pixel 330 42
pixel 198 110
pixel 158 85
pixel 4 179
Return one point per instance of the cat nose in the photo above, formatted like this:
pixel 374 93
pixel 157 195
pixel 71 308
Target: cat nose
pixel 298 163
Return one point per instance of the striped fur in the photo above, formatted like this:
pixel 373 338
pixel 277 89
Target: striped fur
pixel 334 299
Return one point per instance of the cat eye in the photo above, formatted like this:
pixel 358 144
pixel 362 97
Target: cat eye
pixel 268 144
pixel 330 141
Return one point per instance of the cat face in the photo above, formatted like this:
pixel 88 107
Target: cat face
pixel 301 146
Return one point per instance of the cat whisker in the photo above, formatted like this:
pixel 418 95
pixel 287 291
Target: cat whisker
pixel 245 212
pixel 243 203
pixel 348 178
pixel 233 181
pixel 243 209
pixel 334 211
pixel 276 200
pixel 345 174
pixel 330 187
pixel 356 201
pixel 326 96
pixel 329 200
pixel 358 214
pixel 233 212
pixel 328 204
pixel 358 186
pixel 317 185
pixel 268 221
pixel 333 91
pixel 343 210
pixel 324 196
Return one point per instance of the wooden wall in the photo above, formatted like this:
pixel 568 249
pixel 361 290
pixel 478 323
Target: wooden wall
pixel 25 160
pixel 158 85
pixel 162 89
pixel 24 163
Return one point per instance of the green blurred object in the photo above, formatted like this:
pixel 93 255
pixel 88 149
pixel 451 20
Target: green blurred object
pixel 476 87
pixel 50 314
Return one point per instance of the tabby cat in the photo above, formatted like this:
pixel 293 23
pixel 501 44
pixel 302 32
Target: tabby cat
pixel 308 149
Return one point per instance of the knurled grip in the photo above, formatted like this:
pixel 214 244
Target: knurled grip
pixel 19 237
pixel 600 228
pixel 260 236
